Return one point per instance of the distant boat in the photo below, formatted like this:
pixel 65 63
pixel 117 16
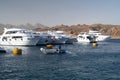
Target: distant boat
pixel 61 36
pixel 54 37
pixel 83 37
pixel 15 36
pixel 44 38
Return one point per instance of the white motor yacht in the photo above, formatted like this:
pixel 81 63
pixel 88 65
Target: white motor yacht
pixel 83 37
pixel 15 36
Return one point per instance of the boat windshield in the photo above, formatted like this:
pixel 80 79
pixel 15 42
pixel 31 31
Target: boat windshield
pixel 11 32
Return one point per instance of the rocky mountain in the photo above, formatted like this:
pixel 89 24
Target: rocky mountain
pixel 72 30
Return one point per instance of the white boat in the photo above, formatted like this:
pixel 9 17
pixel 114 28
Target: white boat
pixel 54 37
pixel 69 40
pixel 83 37
pixel 50 50
pixel 15 36
pixel 60 37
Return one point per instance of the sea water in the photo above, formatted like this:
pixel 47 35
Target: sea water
pixel 80 62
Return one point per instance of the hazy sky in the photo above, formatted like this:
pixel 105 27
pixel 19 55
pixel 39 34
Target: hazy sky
pixel 57 12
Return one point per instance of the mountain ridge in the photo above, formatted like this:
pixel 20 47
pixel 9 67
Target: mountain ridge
pixel 72 30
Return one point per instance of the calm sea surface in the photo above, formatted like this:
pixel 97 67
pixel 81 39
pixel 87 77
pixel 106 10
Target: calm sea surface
pixel 81 62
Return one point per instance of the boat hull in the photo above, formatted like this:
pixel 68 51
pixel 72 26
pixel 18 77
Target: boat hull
pixel 24 42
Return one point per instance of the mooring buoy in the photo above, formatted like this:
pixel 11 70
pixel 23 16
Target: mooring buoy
pixel 17 51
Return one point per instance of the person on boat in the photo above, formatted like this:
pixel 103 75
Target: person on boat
pixel 60 50
pixel 59 47
pixel 46 41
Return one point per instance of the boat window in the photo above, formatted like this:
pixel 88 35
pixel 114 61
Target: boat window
pixel 80 36
pixel 27 32
pixel 11 32
pixel 17 37
pixel 4 38
pixel 29 38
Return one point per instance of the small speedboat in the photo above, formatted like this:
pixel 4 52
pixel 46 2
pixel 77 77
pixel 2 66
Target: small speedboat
pixel 2 50
pixel 52 51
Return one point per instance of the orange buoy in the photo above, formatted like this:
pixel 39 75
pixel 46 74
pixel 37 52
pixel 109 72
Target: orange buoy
pixel 49 46
pixel 17 51
pixel 94 44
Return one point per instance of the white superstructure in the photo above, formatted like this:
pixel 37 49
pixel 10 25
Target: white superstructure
pixel 15 36
pixel 83 37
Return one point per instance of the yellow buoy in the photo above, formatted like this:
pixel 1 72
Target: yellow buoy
pixel 17 51
pixel 94 44
pixel 49 46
